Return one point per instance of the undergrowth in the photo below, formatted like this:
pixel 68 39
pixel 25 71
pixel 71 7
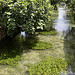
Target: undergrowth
pixel 49 66
pixel 33 43
pixel 11 61
pixel 53 32
pixel 42 45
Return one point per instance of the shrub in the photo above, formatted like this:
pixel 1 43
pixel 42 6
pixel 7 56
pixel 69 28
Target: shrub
pixel 24 15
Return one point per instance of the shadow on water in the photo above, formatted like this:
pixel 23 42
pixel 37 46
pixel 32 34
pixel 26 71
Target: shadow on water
pixel 9 48
pixel 69 49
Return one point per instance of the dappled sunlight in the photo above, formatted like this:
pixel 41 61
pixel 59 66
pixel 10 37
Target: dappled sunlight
pixel 46 51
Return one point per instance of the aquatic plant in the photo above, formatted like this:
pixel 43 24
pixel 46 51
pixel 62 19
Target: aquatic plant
pixel 42 45
pixel 11 61
pixel 52 32
pixel 49 66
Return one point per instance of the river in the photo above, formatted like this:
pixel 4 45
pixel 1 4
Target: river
pixel 66 30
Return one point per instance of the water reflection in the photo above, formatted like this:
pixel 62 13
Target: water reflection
pixel 69 49
pixel 61 24
pixel 23 34
pixel 10 48
pixel 65 29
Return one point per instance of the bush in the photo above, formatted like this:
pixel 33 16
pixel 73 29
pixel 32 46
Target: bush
pixel 24 15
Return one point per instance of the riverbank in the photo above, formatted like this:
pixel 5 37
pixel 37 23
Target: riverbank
pixel 35 56
pixel 39 49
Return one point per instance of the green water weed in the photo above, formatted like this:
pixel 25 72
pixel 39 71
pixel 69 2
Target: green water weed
pixel 53 32
pixel 11 61
pixel 49 66
pixel 42 45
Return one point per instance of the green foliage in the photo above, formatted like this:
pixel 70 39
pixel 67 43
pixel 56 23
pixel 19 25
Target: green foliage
pixel 42 45
pixel 24 15
pixel 34 44
pixel 54 3
pixel 49 66
pixel 53 32
pixel 72 6
pixel 11 61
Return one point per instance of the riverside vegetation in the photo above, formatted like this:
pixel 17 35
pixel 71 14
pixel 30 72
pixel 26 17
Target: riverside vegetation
pixel 43 52
pixel 35 61
pixel 48 66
